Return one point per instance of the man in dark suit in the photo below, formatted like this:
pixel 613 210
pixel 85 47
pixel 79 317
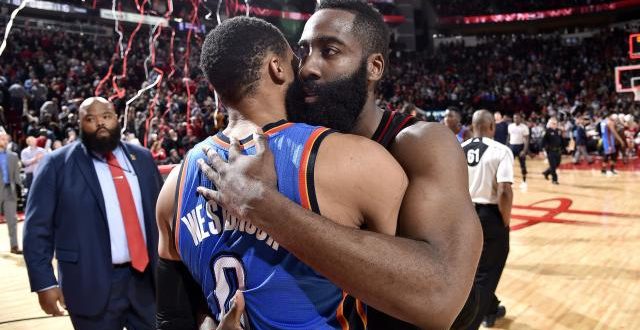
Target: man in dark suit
pixel 9 188
pixel 93 203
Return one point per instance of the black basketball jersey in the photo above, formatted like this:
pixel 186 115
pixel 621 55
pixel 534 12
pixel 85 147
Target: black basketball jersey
pixel 390 126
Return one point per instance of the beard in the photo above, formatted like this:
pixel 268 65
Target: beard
pixel 338 103
pixel 101 145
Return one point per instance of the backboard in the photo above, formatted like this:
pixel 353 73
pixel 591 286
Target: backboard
pixel 627 79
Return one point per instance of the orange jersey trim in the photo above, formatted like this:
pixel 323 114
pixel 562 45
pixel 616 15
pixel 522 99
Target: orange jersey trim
pixel 340 313
pixel 303 184
pixel 226 145
pixel 179 206
pixel 361 312
pixel 278 128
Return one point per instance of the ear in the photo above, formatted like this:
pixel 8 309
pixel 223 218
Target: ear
pixel 277 70
pixel 375 67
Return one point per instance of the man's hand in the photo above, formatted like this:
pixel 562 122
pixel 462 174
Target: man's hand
pixel 241 180
pixel 231 320
pixel 49 301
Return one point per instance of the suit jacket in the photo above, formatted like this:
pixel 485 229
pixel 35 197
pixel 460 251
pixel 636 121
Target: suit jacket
pixel 13 163
pixel 66 214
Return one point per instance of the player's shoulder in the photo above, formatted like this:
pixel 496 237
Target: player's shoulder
pixel 424 136
pixel 351 144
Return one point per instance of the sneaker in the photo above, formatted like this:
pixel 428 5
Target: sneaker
pixel 546 176
pixel 490 320
pixel 555 182
pixel 613 172
pixel 609 174
pixel 16 250
pixel 604 172
pixel 523 186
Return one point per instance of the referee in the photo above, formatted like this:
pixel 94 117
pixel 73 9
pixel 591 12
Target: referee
pixel 490 177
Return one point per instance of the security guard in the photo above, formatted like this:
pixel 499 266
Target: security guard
pixel 490 165
pixel 552 144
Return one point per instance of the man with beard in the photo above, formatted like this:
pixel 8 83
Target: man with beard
pixel 251 66
pixel 424 275
pixel 92 203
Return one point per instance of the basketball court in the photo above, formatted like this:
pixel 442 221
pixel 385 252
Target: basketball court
pixel 573 264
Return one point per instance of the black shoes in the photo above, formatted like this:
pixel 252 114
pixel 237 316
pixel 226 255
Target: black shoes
pixel 546 175
pixel 16 250
pixel 555 182
pixel 490 320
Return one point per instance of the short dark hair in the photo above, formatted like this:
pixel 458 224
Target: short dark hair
pixel 234 51
pixel 368 24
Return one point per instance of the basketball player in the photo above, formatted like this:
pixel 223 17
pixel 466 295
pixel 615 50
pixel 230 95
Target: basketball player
pixel 347 178
pixel 519 144
pixel 452 118
pixel 609 135
pixel 424 275
pixel 490 177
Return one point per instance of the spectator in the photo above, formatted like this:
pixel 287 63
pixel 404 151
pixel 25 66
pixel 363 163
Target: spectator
pixel 580 142
pixel 502 132
pixel 10 167
pixel 157 152
pixel 31 156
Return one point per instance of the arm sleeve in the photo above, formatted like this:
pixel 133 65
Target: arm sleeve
pixel 505 168
pixel 38 227
pixel 179 299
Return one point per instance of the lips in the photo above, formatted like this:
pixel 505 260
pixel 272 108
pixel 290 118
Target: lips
pixel 310 93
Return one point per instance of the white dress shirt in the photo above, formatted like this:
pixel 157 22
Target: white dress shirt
pixel 117 234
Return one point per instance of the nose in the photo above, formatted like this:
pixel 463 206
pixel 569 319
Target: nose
pixel 309 68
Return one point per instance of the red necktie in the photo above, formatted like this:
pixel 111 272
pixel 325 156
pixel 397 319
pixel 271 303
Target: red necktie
pixel 135 240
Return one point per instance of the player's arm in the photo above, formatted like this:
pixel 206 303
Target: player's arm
pixel 614 131
pixel 358 183
pixel 504 177
pixel 179 300
pixel 438 216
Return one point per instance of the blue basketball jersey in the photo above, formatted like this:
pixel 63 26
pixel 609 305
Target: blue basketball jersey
pixel 608 140
pixel 225 254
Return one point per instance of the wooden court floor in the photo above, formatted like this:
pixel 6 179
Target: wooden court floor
pixel 574 260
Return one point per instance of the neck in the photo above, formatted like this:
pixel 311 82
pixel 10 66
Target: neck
pixel 482 133
pixel 249 115
pixel 369 118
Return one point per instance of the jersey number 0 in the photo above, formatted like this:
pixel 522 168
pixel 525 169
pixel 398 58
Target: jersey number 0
pixel 228 277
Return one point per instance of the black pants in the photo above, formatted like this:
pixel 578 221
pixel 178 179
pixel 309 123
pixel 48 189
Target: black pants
pixel 131 304
pixel 517 149
pixel 492 260
pixel 28 180
pixel 554 161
